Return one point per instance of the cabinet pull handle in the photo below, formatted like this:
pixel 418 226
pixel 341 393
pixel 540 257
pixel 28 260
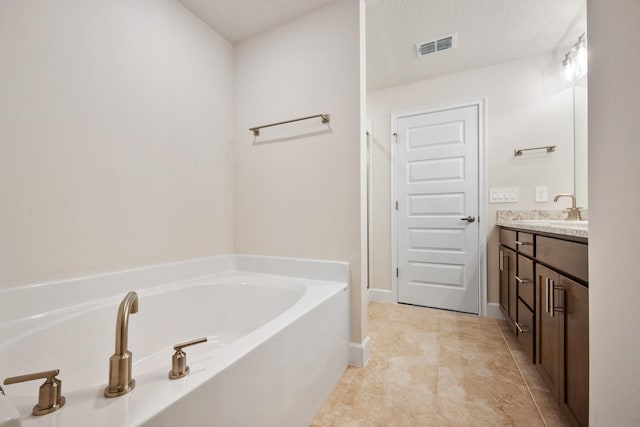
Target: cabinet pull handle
pixel 523 281
pixel 501 261
pixel 519 243
pixel 546 294
pixel 554 307
pixel 522 328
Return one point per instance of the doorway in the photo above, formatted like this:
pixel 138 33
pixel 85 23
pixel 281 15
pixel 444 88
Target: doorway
pixel 438 212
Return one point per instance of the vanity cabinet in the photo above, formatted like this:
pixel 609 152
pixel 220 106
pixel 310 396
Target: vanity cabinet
pixel 517 285
pixel 551 313
pixel 563 324
pixel 508 293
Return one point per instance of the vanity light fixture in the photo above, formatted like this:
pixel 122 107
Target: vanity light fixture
pixel 575 61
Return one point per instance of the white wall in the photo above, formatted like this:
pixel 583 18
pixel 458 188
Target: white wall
pixel 528 105
pixel 614 235
pixel 298 186
pixel 114 137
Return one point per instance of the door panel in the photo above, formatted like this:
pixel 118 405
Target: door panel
pixel 548 329
pixel 437 179
pixel 576 349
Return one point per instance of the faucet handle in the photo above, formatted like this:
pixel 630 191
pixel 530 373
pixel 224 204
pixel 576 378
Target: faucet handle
pixel 50 396
pixel 179 366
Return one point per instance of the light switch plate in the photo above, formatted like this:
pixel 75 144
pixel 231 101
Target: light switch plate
pixel 541 193
pixel 504 195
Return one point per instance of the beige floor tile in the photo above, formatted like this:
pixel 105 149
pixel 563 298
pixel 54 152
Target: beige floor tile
pixel 409 342
pixel 479 361
pixel 430 367
pixel 414 318
pixel 470 329
pixel 379 310
pixel 361 408
pixel 528 370
pixel 376 325
pixel 549 409
pixel 404 380
pixel 467 401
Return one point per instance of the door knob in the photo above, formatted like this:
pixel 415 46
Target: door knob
pixel 469 219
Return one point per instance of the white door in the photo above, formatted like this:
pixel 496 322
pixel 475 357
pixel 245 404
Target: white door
pixel 437 229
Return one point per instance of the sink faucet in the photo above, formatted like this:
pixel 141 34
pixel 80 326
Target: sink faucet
pixel 120 381
pixel 573 213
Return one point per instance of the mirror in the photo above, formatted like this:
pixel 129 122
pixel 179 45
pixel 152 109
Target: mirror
pixel 580 141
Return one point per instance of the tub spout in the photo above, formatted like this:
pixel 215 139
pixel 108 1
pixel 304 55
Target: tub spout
pixel 120 381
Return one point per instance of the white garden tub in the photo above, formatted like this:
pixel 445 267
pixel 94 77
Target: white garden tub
pixel 277 346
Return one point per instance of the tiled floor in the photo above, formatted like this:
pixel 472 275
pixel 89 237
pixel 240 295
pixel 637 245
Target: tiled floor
pixel 438 368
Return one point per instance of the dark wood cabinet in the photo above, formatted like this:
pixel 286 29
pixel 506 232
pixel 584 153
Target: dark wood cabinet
pixel 550 312
pixel 517 285
pixel 575 356
pixel 548 330
pixel 508 291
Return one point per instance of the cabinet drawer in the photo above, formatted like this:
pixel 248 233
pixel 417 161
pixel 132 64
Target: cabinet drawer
pixel 525 329
pixel 508 238
pixel 568 257
pixel 526 280
pixel 525 243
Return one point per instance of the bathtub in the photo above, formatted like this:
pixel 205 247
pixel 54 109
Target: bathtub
pixel 277 344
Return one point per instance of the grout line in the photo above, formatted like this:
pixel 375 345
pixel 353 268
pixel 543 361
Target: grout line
pixel 526 383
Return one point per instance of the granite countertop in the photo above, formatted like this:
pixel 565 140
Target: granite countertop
pixel 562 227
pixel 544 222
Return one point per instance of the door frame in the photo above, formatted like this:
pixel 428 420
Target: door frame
pixel 482 208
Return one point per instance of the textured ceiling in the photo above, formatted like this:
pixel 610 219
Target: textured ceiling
pixel 237 20
pixel 488 31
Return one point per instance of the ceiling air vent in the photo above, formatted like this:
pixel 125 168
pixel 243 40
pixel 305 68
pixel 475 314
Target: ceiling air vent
pixel 437 45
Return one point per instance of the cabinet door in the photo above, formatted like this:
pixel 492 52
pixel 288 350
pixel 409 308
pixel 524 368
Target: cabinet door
pixel 575 357
pixel 505 256
pixel 548 329
pixel 508 284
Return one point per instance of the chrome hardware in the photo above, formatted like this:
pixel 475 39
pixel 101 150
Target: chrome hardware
pixel 522 328
pixel 179 366
pixel 501 261
pixel 523 281
pixel 120 381
pixel 469 219
pixel 50 396
pixel 519 243
pixel 573 213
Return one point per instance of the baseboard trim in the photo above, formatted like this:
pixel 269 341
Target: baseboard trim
pixel 493 311
pixel 359 353
pixel 381 295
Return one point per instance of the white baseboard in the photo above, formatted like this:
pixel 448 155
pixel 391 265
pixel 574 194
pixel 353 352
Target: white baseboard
pixel 493 311
pixel 359 353
pixel 381 295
